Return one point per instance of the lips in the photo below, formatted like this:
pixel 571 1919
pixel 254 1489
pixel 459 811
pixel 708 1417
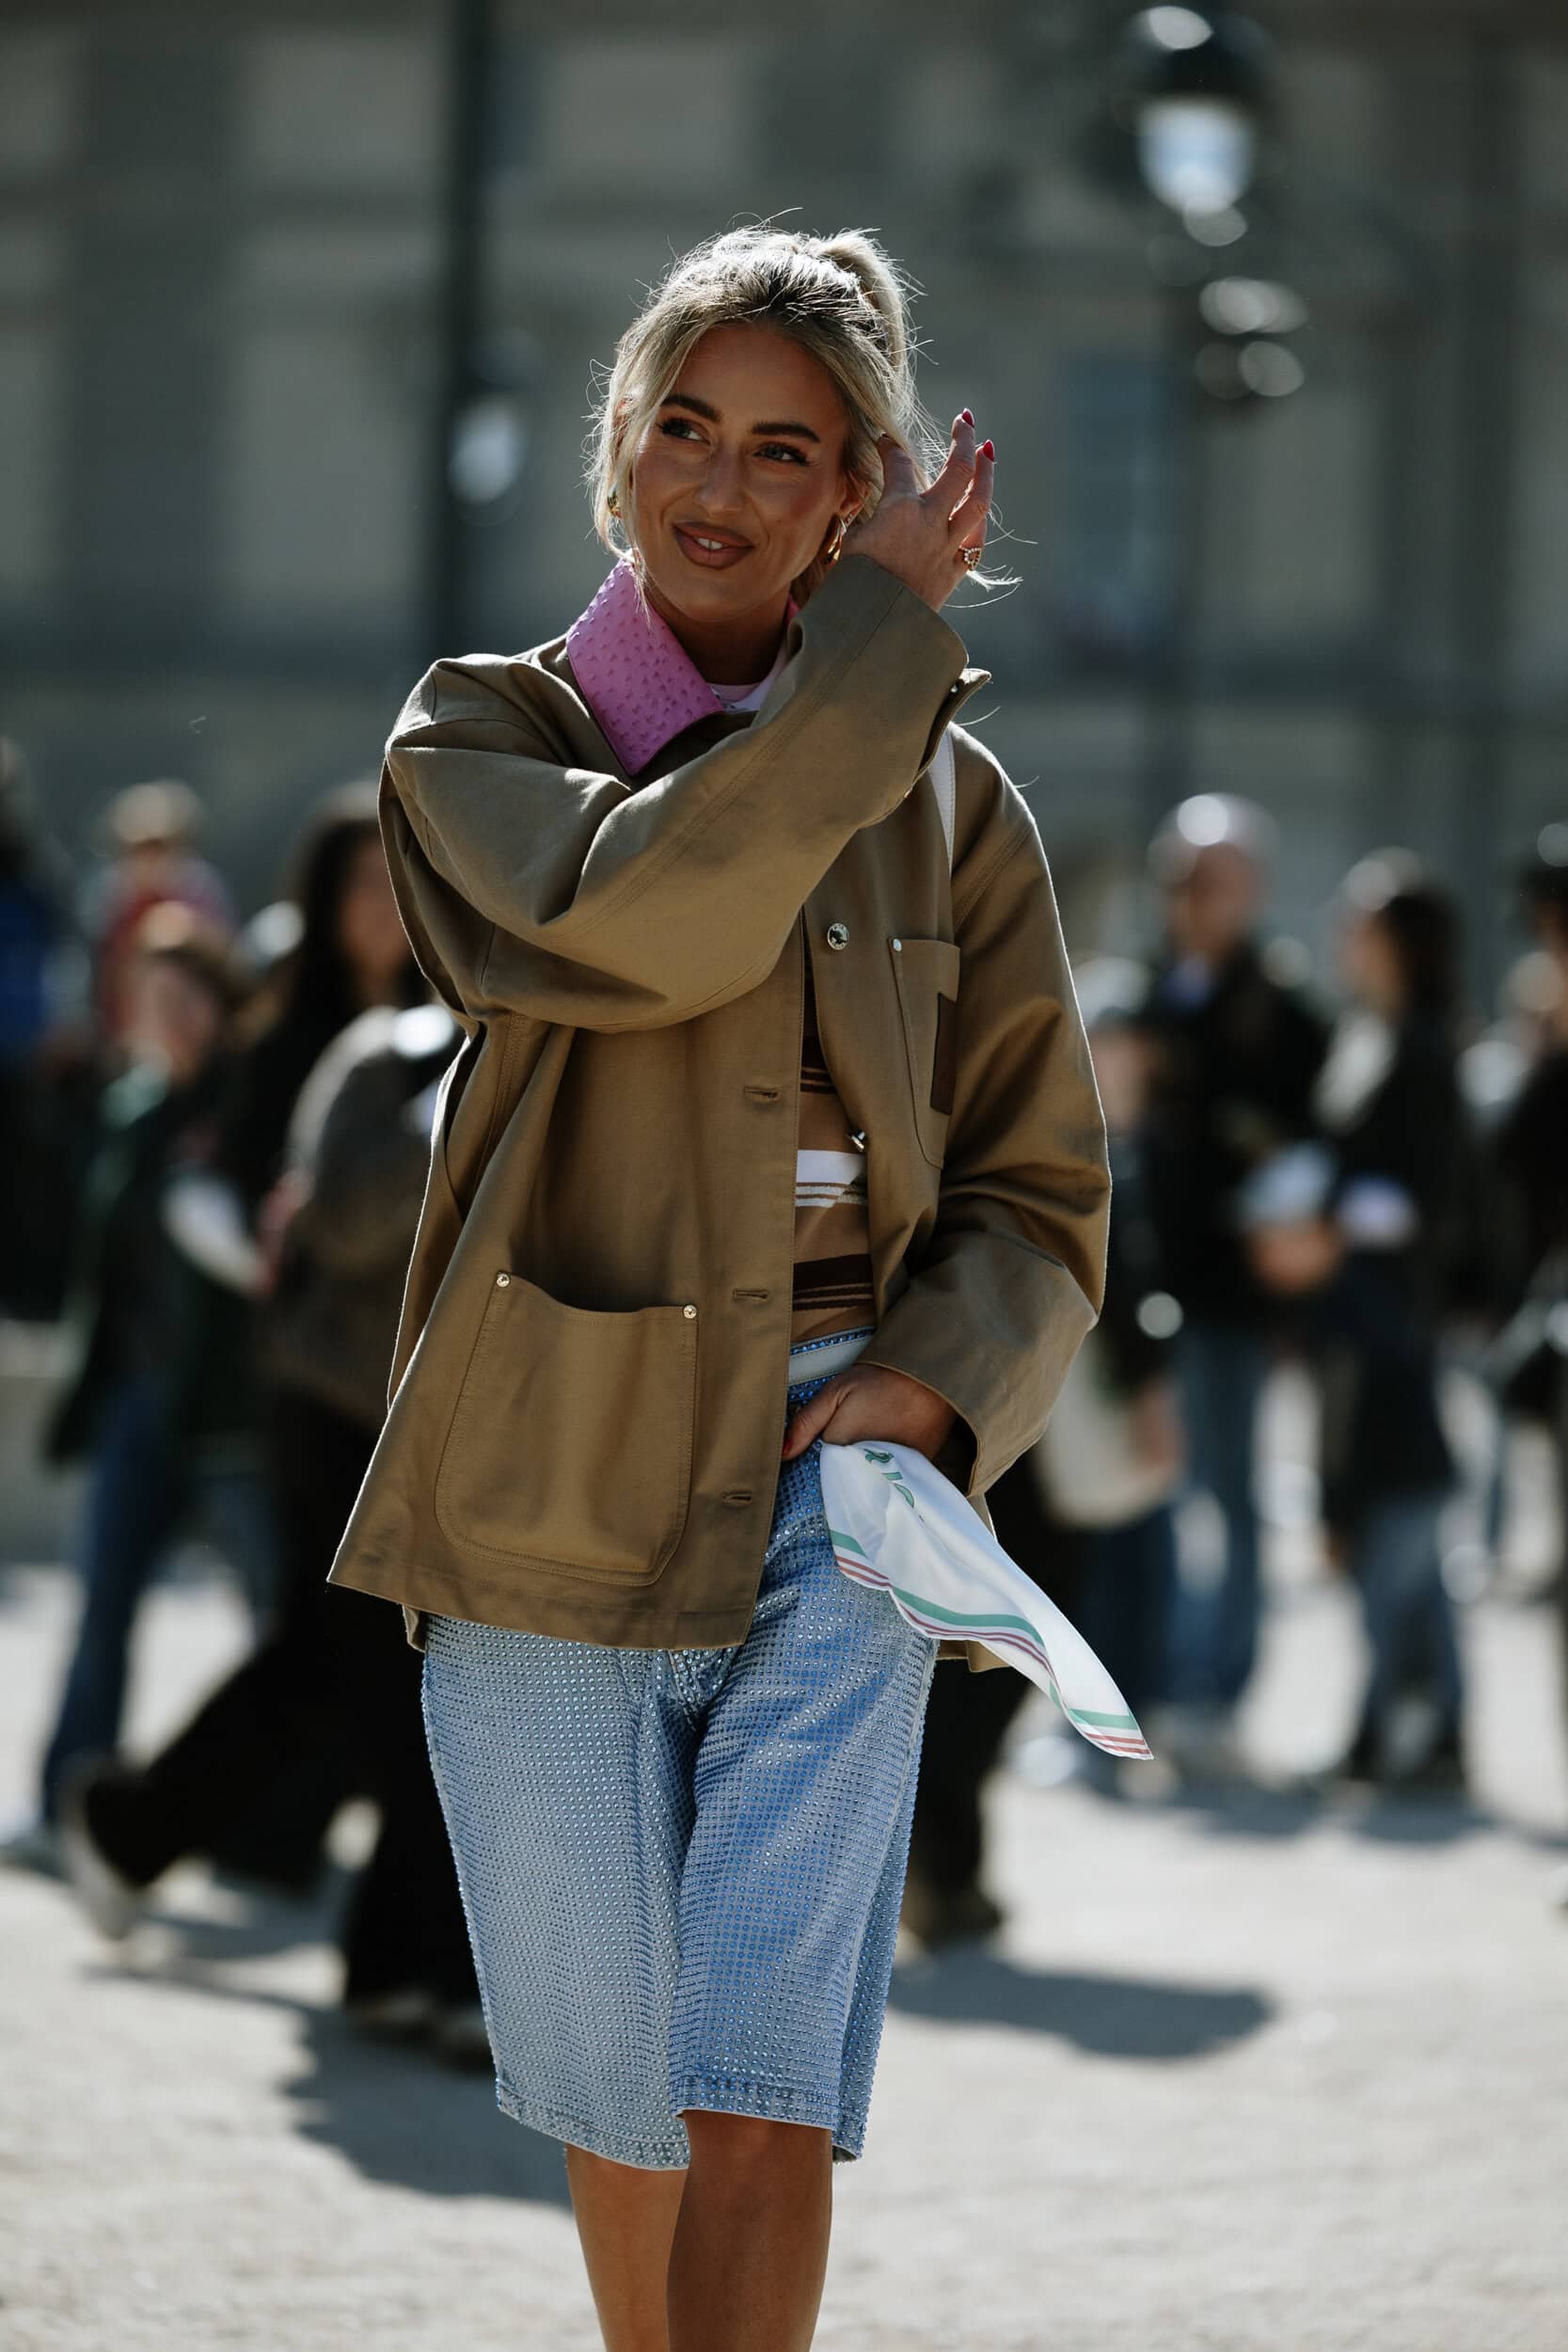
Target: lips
pixel 722 547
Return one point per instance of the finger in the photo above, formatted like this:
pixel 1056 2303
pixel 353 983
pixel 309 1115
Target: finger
pixel 972 512
pixel 976 501
pixel 899 473
pixel 808 1420
pixel 959 470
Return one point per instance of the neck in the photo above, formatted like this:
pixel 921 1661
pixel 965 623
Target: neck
pixel 736 650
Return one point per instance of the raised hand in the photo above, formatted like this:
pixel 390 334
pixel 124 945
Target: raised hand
pixel 923 534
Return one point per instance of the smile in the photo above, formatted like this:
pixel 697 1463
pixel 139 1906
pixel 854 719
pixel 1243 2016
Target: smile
pixel 716 554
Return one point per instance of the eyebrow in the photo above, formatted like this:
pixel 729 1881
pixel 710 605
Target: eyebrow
pixel 706 408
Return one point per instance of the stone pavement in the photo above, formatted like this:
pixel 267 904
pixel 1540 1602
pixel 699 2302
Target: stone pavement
pixel 1252 2071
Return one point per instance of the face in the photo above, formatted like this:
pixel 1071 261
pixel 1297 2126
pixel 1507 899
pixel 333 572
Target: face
pixel 174 1019
pixel 150 864
pixel 370 929
pixel 1212 906
pixel 747 454
pixel 1368 963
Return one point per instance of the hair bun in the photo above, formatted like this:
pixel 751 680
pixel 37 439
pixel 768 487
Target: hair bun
pixel 885 290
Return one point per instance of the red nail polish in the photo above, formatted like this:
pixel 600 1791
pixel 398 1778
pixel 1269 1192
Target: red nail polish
pixel 968 417
pixel 987 449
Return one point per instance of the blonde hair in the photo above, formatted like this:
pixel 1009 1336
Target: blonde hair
pixel 842 298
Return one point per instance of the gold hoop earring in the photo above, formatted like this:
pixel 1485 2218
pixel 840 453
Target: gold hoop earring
pixel 834 546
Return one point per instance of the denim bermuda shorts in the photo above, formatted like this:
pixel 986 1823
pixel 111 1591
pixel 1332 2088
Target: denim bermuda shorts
pixel 681 1869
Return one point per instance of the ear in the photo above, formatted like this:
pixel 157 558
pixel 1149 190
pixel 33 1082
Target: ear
pixel 618 431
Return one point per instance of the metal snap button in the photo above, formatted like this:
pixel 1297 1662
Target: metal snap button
pixel 691 1313
pixel 838 934
pixel 501 1280
pixel 897 946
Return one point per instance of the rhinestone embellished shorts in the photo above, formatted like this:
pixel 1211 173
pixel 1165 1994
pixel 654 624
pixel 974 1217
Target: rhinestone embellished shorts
pixel 683 1868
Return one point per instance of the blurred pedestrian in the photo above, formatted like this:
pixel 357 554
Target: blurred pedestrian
pixel 1531 1155
pixel 1373 1256
pixel 1115 1449
pixel 349 954
pixel 151 832
pixel 1086 1512
pixel 139 1401
pixel 330 1700
pixel 228 1219
pixel 1238 1052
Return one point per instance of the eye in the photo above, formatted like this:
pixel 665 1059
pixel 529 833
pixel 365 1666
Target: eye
pixel 677 428
pixel 783 449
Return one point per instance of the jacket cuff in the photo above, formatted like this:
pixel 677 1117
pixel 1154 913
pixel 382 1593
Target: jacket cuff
pixel 1001 1382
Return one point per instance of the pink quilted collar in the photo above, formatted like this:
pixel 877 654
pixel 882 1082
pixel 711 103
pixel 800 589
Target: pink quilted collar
pixel 637 677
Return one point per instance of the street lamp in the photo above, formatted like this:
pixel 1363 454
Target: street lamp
pixel 1193 94
pixel 1196 88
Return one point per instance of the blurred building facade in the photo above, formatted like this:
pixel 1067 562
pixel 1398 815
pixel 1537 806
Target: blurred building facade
pixel 240 238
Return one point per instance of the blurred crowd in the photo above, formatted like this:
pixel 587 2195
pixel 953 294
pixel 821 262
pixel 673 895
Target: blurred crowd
pixel 1374 1188
pixel 218 1139
pixel 213 1141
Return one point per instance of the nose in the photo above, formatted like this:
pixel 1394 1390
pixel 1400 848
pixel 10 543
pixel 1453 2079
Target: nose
pixel 721 483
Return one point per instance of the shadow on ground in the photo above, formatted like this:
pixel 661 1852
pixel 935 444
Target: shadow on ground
pixel 1125 2017
pixel 398 2117
pixel 396 2113
pixel 1391 1820
pixel 1271 1816
pixel 254 1922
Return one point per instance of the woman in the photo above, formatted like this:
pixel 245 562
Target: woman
pixel 757 1093
pixel 351 955
pixel 1378 1258
pixel 219 1788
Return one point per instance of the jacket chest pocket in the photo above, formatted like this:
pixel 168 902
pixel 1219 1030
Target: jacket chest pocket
pixel 925 974
pixel 571 1444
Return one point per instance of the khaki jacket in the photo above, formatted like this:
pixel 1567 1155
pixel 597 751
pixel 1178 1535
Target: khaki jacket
pixel 589 1388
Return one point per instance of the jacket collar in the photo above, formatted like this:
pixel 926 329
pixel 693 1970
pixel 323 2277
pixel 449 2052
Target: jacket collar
pixel 636 676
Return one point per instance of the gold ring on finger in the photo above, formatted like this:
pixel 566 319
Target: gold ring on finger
pixel 969 557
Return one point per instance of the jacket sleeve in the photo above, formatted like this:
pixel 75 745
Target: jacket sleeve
pixel 575 898
pixel 1014 1273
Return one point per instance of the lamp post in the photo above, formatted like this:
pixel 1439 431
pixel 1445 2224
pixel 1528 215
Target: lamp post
pixel 1192 91
pixel 479 425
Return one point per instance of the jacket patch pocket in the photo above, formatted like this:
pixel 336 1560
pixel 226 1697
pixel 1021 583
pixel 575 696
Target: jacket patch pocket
pixel 571 1445
pixel 926 973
